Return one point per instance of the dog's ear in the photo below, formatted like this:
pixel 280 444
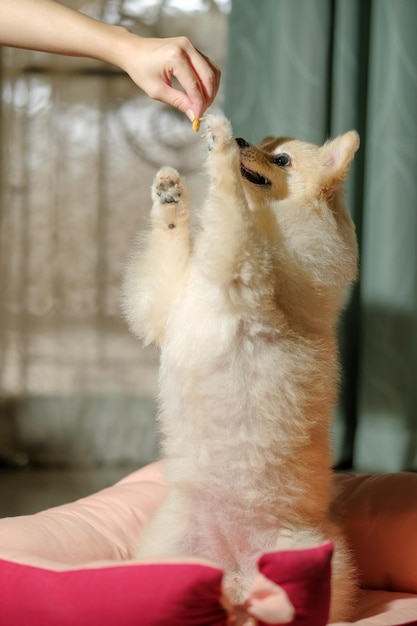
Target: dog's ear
pixel 269 144
pixel 337 157
pixel 266 141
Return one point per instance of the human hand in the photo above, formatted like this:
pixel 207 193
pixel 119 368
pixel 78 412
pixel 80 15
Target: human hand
pixel 153 63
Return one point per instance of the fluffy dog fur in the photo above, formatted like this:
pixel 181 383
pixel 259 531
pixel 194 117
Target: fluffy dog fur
pixel 244 312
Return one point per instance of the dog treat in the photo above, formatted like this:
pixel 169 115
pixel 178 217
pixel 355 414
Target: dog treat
pixel 196 124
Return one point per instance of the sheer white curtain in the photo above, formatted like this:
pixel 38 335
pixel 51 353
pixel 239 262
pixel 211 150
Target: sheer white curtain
pixel 80 147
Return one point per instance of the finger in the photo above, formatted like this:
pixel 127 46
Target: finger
pixel 195 90
pixel 209 75
pixel 176 98
pixel 199 77
pixel 204 68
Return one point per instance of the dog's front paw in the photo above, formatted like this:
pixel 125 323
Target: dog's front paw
pixel 167 187
pixel 170 198
pixel 218 133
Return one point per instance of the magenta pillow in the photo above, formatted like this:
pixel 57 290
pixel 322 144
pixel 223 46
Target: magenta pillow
pixel 305 576
pixel 111 596
pixel 177 594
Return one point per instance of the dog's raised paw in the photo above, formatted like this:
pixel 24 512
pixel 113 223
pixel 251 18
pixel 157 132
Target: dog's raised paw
pixel 170 206
pixel 167 186
pixel 218 131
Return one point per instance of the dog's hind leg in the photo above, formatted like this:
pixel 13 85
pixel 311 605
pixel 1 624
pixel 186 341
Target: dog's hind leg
pixel 165 534
pixel 156 271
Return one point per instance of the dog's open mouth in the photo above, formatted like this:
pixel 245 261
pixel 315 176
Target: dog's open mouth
pixel 253 177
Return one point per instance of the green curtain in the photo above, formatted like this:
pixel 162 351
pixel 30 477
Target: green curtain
pixel 313 69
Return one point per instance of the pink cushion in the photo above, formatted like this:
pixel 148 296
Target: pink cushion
pixel 153 593
pixel 379 514
pixel 72 565
pixel 109 596
pixel 105 525
pixel 305 576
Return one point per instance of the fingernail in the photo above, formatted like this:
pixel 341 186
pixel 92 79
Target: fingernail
pixel 190 115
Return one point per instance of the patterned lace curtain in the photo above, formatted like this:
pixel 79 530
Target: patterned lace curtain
pixel 80 147
pixel 311 69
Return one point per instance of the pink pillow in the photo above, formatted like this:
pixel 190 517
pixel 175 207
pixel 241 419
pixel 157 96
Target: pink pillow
pixel 72 565
pixel 379 515
pixel 123 595
pixel 155 593
pixel 305 576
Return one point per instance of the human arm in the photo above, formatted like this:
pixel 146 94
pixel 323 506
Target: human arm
pixel 48 26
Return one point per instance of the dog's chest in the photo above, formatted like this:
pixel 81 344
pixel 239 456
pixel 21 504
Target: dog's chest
pixel 221 385
pixel 201 325
pixel 208 346
pixel 224 531
pixel 206 359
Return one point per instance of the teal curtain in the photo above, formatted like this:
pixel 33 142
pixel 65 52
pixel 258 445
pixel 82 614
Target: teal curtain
pixel 313 69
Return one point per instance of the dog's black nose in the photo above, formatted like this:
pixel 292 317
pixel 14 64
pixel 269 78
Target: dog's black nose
pixel 242 143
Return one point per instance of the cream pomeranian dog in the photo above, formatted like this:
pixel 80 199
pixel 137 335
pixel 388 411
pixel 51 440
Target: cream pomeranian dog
pixel 244 310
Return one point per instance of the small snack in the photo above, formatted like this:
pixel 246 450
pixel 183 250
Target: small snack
pixel 196 125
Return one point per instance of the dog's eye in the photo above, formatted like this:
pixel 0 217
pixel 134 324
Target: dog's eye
pixel 282 159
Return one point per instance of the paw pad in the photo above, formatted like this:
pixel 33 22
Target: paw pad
pixel 168 191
